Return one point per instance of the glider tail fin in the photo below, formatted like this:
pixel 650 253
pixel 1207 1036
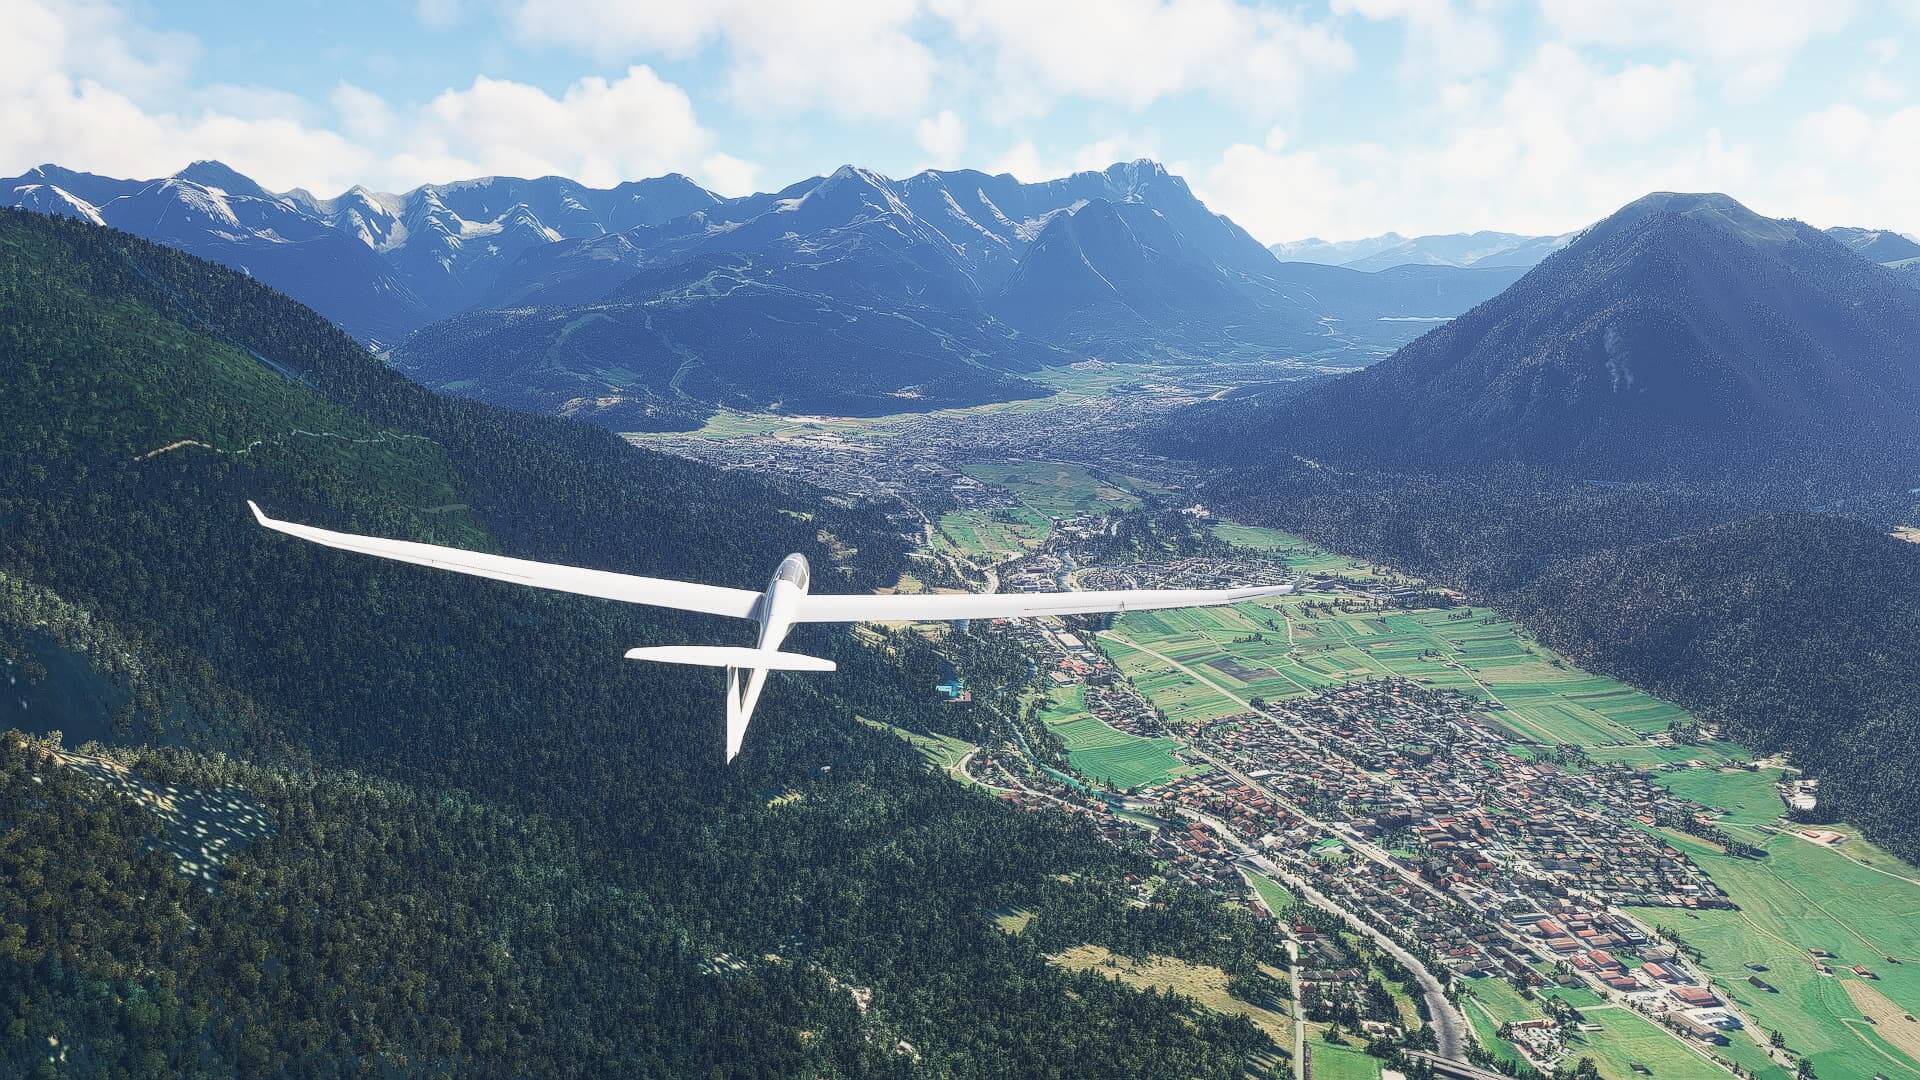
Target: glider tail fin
pixel 746 674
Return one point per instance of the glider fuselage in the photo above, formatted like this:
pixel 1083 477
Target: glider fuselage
pixel 775 615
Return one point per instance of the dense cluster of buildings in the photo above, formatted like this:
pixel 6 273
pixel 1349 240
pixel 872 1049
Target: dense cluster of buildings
pixel 1391 759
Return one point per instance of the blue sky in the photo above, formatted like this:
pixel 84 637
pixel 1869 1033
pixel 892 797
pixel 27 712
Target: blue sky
pixel 1337 118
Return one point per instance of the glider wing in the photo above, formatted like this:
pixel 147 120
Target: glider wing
pixel 659 592
pixel 934 606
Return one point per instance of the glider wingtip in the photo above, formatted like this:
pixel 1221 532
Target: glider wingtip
pixel 258 515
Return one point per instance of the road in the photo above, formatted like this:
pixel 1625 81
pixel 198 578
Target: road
pixel 1449 1026
pixel 1299 1009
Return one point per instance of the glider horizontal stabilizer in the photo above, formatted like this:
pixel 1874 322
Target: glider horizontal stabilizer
pixel 738 656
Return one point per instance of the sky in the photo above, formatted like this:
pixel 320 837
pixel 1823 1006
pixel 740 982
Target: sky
pixel 1331 118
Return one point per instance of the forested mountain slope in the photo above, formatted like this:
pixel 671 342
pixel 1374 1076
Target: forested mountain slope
pixel 490 846
pixel 1796 632
pixel 1880 245
pixel 1683 337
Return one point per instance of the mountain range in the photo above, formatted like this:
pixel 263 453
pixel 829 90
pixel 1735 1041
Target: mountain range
pixel 1683 336
pixel 1477 249
pixel 377 264
pixel 1500 249
pixel 647 304
pixel 1881 245
pixel 856 293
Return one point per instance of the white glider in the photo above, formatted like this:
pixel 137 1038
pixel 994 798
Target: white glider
pixel 785 602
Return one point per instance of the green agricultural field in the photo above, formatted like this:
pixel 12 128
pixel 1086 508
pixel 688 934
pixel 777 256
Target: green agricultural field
pixel 990 536
pixel 941 752
pixel 1652 756
pixel 1624 1039
pixel 732 424
pixel 1804 896
pixel 1108 754
pixel 1053 489
pixel 1332 1062
pixel 1256 537
pixel 1299 645
pixel 1300 555
pixel 1184 699
pixel 1488 1003
pixel 1501 1001
pixel 1577 996
pixel 1627 1039
pixel 1139 763
pixel 1748 797
pixel 1278 898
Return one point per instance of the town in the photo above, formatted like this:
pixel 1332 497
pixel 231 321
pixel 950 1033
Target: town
pixel 1393 831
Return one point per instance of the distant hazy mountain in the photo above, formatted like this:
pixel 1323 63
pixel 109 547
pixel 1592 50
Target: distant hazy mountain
pixel 379 265
pixel 858 293
pixel 449 241
pixel 1880 245
pixel 1334 252
pixel 1479 249
pixel 213 212
pixel 645 304
pixel 1683 336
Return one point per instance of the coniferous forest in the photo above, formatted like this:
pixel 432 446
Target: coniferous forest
pixel 488 846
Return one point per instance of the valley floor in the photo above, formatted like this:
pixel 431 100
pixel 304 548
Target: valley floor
pixel 1588 876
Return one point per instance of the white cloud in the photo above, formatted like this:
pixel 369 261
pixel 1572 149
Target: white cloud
pixel 1839 130
pixel 1749 43
pixel 438 14
pixel 1284 196
pixel 365 114
pixel 598 131
pixel 48 113
pixel 1137 52
pixel 1441 35
pixel 1860 168
pixel 943 136
pixel 727 174
pixel 1561 143
pixel 81 86
pixel 846 56
pixel 1026 162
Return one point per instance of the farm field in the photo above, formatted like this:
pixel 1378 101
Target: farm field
pixel 1627 1039
pixel 1277 897
pixel 1054 489
pixel 1302 556
pixel 1332 1062
pixel 1624 1039
pixel 1298 645
pixel 1501 1001
pixel 989 536
pixel 1804 896
pixel 1749 798
pixel 1184 699
pixel 1487 1004
pixel 1108 754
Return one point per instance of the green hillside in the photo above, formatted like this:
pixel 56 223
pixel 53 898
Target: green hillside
pixel 379 821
